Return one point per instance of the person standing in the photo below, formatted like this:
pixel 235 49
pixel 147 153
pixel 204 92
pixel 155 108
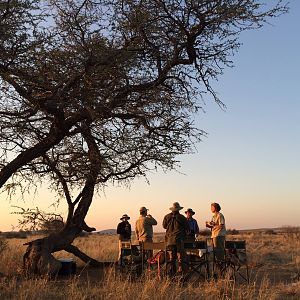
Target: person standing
pixel 177 227
pixel 144 229
pixel 218 231
pixel 144 226
pixel 124 232
pixel 193 225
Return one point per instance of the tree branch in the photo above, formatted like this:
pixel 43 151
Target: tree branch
pixel 84 257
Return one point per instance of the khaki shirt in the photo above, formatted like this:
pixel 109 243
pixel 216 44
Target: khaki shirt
pixel 144 229
pixel 219 228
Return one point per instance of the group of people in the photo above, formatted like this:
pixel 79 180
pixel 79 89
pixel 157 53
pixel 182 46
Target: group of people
pixel 179 229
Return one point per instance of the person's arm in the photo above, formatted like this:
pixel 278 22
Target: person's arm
pixel 219 227
pixel 186 225
pixel 129 230
pixel 165 222
pixel 150 220
pixel 196 228
pixel 220 224
pixel 136 230
pixel 210 224
pixel 222 220
pixel 119 228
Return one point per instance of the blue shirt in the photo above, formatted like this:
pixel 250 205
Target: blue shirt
pixel 193 226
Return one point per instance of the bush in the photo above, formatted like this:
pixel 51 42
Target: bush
pixel 270 231
pixel 232 231
pixel 15 235
pixel 205 232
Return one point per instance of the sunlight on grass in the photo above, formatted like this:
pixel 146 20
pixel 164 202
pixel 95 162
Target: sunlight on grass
pixel 273 259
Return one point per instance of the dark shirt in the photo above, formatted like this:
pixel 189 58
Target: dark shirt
pixel 194 229
pixel 177 227
pixel 124 231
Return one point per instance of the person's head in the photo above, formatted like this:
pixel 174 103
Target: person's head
pixel 143 211
pixel 189 213
pixel 215 207
pixel 125 218
pixel 176 208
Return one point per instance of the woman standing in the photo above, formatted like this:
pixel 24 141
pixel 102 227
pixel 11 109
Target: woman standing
pixel 218 231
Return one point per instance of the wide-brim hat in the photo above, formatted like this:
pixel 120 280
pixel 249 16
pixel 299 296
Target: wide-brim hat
pixel 176 207
pixel 143 208
pixel 126 217
pixel 190 211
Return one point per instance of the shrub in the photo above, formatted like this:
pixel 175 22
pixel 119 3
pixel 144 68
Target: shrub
pixel 270 231
pixel 205 232
pixel 15 235
pixel 232 231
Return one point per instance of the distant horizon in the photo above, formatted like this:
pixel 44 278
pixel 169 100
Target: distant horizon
pixel 162 232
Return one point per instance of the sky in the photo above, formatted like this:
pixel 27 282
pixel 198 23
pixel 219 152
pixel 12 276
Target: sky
pixel 250 160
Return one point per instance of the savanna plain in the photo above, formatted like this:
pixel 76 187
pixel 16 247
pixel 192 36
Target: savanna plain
pixel 273 260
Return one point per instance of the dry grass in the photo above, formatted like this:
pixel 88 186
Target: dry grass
pixel 274 261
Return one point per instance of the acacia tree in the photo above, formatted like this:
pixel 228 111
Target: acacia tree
pixel 94 92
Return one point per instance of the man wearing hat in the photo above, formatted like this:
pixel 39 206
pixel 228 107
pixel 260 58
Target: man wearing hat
pixel 124 232
pixel 144 226
pixel 177 227
pixel 144 229
pixel 124 229
pixel 193 225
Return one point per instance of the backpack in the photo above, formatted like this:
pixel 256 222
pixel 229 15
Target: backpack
pixel 159 258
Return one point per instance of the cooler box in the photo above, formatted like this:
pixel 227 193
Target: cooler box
pixel 68 266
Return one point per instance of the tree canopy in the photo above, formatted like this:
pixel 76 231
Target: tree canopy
pixel 102 91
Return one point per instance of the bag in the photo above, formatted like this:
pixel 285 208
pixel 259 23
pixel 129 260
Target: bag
pixel 158 258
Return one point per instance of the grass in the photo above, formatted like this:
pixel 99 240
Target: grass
pixel 274 261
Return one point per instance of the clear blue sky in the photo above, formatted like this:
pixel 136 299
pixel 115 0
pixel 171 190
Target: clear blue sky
pixel 250 161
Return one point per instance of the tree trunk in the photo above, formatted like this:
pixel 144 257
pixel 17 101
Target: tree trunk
pixel 38 258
